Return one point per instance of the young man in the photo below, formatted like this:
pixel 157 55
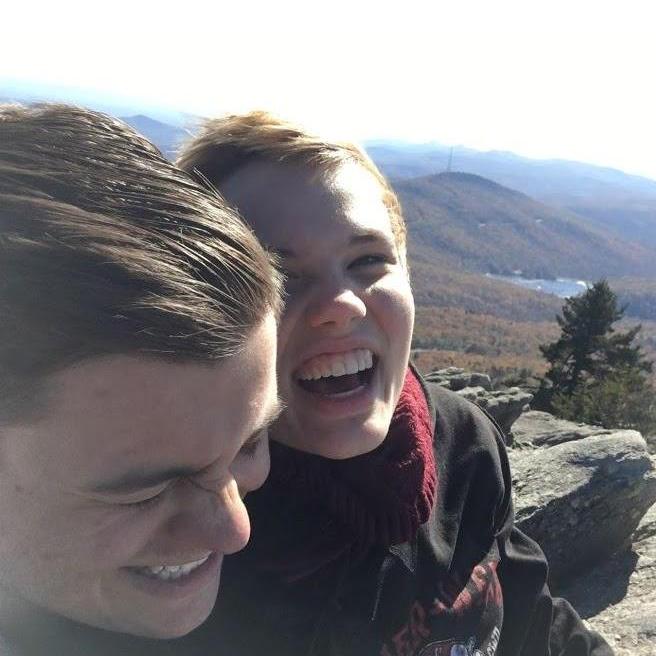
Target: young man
pixel 137 376
pixel 386 526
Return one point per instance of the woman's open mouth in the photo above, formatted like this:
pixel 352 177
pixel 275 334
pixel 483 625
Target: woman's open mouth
pixel 337 374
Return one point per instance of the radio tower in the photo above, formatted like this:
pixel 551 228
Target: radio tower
pixel 448 166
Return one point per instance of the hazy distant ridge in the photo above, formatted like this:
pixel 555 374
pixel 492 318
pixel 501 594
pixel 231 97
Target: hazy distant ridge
pixel 622 203
pixel 166 137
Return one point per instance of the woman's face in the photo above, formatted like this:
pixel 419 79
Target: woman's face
pixel 346 329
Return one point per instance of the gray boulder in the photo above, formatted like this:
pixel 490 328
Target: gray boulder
pixel 582 499
pixel 534 428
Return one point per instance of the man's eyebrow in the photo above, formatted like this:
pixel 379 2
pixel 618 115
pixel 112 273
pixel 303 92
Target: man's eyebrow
pixel 141 478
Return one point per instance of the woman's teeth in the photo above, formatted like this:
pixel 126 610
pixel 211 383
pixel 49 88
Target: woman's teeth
pixel 171 572
pixel 336 364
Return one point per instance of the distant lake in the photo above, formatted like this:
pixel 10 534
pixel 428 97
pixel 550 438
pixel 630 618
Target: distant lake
pixel 562 287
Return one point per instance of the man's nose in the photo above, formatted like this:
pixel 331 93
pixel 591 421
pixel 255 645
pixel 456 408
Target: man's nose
pixel 336 308
pixel 212 517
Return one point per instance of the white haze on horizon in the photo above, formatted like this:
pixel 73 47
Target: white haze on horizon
pixel 563 80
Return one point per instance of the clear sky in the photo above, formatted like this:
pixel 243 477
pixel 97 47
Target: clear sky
pixel 571 79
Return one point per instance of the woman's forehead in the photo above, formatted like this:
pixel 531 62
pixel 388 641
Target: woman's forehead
pixel 280 201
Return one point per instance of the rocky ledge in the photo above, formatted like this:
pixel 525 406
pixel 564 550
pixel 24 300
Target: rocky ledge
pixel 588 496
pixel 505 405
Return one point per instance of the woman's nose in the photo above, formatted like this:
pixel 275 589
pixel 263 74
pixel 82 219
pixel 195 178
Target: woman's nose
pixel 337 309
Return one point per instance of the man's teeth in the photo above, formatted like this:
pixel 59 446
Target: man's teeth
pixel 336 364
pixel 171 572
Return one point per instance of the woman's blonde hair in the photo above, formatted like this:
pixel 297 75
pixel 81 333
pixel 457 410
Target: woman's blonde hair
pixel 227 144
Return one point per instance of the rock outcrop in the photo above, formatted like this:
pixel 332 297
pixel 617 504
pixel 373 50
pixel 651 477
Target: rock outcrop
pixel 536 428
pixel 582 499
pixel 504 405
pixel 457 379
pixel 588 495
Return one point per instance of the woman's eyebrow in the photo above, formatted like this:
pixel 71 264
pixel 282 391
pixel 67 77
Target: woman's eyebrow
pixel 370 236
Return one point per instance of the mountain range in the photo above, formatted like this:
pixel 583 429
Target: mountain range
pixel 621 203
pixel 471 213
pixel 501 213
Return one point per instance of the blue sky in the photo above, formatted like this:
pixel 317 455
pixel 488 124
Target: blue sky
pixel 544 79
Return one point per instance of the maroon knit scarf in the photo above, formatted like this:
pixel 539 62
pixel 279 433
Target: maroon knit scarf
pixel 379 498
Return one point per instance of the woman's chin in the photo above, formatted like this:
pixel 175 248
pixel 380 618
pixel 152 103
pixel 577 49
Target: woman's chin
pixel 335 444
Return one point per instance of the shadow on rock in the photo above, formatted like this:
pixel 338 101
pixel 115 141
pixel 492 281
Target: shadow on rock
pixel 603 587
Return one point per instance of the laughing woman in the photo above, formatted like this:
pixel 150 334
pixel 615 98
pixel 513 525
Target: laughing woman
pixel 386 526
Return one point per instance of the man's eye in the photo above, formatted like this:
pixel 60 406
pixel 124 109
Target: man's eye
pixel 144 503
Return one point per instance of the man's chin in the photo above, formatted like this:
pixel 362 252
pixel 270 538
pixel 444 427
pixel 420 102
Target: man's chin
pixel 162 625
pixel 169 631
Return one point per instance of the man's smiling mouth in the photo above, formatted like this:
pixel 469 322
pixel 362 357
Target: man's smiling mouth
pixel 337 373
pixel 170 572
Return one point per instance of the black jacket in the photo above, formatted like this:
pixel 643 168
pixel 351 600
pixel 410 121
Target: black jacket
pixel 468 584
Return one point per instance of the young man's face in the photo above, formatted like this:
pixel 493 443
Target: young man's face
pixel 346 328
pixel 117 507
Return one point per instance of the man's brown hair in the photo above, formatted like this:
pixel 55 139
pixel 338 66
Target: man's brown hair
pixel 225 145
pixel 108 248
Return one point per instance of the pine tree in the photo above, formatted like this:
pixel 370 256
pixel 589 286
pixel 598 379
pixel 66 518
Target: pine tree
pixel 596 374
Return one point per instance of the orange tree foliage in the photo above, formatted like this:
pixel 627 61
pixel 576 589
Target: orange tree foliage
pixel 452 336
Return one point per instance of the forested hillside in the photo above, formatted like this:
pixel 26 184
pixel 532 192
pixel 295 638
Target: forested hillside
pixel 474 224
pixel 438 284
pixel 638 295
